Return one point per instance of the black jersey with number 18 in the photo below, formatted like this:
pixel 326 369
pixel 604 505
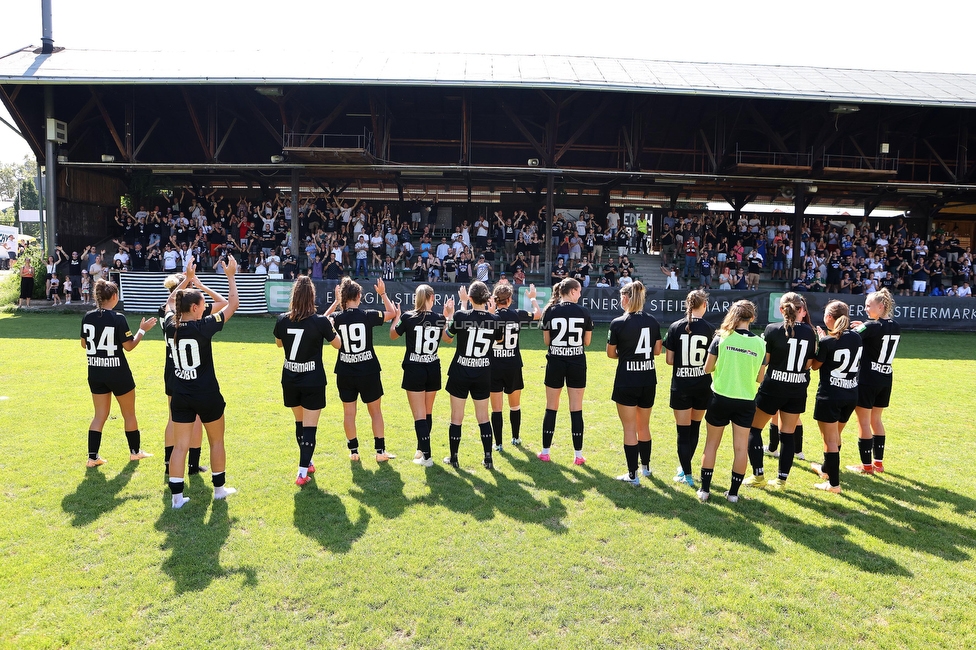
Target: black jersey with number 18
pixel 302 343
pixel 422 330
pixel 104 332
pixel 841 359
pixel 567 324
pixel 356 357
pixel 690 350
pixel 476 331
pixel 635 335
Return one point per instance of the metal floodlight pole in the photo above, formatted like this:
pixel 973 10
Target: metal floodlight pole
pixel 47 28
pixel 50 164
pixel 295 183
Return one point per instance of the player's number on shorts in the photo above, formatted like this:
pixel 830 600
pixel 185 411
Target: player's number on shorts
pixel 889 345
pixel 644 344
pixel 511 339
pixel 295 342
pixel 694 348
pixel 353 337
pixel 479 342
pixel 845 364
pixel 569 332
pixel 186 353
pixel 426 339
pixel 798 355
pixel 106 341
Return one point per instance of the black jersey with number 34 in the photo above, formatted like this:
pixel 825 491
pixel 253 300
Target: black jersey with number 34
pixel 635 335
pixel 841 359
pixel 567 324
pixel 356 357
pixel 880 339
pixel 788 353
pixel 690 350
pixel 422 330
pixel 104 332
pixel 506 352
pixel 302 343
pixel 475 331
pixel 192 351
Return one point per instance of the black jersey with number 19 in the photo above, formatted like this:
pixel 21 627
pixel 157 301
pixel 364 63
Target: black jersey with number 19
pixel 302 343
pixel 567 323
pixel 690 351
pixel 422 330
pixel 635 335
pixel 356 357
pixel 476 331
pixel 104 332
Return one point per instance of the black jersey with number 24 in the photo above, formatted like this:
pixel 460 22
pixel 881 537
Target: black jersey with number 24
pixel 635 335
pixel 302 343
pixel 841 359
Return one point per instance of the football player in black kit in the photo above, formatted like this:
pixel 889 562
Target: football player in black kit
pixel 103 332
pixel 791 347
pixel 476 329
pixel 421 365
pixel 301 332
pixel 196 392
pixel 506 360
pixel 880 336
pixel 838 359
pixel 634 340
pixel 566 329
pixel 357 368
pixel 691 387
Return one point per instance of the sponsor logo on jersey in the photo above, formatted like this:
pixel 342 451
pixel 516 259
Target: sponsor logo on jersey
pixel 100 362
pixel 294 366
pixel 732 348
pixel 788 377
pixel 356 358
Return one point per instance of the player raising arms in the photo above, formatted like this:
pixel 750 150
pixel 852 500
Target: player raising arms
pixel 196 392
pixel 301 332
pixel 634 340
pixel 357 369
pixel 791 347
pixel 838 359
pixel 470 373
pixel 691 387
pixel 506 361
pixel 421 365
pixel 880 337
pixel 103 332
pixel 567 329
pixel 736 359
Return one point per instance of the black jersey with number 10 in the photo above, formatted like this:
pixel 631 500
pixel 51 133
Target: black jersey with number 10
pixel 422 330
pixel 104 332
pixel 476 331
pixel 356 357
pixel 789 351
pixel 302 344
pixel 567 324
pixel 192 352
pixel 841 359
pixel 690 350
pixel 635 335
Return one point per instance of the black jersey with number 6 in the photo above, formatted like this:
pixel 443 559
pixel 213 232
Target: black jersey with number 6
pixel 192 352
pixel 841 359
pixel 635 335
pixel 567 324
pixel 104 332
pixel 356 357
pixel 506 353
pixel 422 330
pixel 475 331
pixel 880 339
pixel 302 343
pixel 786 374
pixel 690 351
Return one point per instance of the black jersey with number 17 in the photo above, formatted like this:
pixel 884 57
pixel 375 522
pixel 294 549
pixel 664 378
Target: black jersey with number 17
pixel 192 352
pixel 104 332
pixel 356 357
pixel 635 335
pixel 302 344
pixel 880 339
pixel 422 330
pixel 567 324
pixel 789 350
pixel 506 352
pixel 475 331
pixel 841 359
pixel 690 350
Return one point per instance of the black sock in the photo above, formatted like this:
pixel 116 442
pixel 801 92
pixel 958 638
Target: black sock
pixel 548 428
pixel 706 479
pixel 773 437
pixel 308 446
pixel 167 452
pixel 193 460
pixel 135 441
pixel 454 438
pixel 786 454
pixel 879 447
pixel 695 431
pixel 176 485
pixel 831 467
pixel 430 426
pixel 496 426
pixel 353 445
pixel 756 451
pixel 420 428
pixel 298 433
pixel 736 482
pixel 644 450
pixel 486 436
pixel 684 448
pixel 864 447
pixel 631 453
pixel 798 439
pixel 218 479
pixel 94 442
pixel 379 444
pixel 576 424
pixel 515 417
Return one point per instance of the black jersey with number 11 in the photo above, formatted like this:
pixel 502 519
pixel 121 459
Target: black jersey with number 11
pixel 789 350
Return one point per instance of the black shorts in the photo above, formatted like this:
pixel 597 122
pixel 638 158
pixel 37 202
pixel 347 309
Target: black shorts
pixel 421 378
pixel 560 373
pixel 722 410
pixel 831 410
pixel 311 398
pixel 698 399
pixel 479 388
pixel 117 387
pixel 508 380
pixel 208 407
pixel 639 396
pixel 870 397
pixel 770 403
pixel 367 387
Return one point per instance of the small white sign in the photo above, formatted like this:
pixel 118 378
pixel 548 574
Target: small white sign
pixel 30 216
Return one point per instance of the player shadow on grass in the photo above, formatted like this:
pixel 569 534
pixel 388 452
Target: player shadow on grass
pixel 552 476
pixel 381 489
pixel 96 495
pixel 196 543
pixel 453 489
pixel 322 516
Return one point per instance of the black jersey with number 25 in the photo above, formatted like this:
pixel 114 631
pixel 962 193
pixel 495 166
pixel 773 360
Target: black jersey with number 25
pixel 567 324
pixel 302 343
pixel 635 335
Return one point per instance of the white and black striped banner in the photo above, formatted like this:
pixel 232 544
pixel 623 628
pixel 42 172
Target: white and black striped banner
pixel 144 292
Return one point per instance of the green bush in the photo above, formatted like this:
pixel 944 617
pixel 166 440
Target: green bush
pixel 10 287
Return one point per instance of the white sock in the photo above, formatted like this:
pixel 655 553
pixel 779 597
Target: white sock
pixel 302 472
pixel 179 501
pixel 579 453
pixel 545 450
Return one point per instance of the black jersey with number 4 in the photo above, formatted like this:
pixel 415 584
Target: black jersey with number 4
pixel 104 332
pixel 356 357
pixel 192 352
pixel 475 332
pixel 635 336
pixel 841 359
pixel 880 339
pixel 302 343
pixel 422 330
pixel 788 355
pixel 506 352
pixel 690 350
pixel 567 324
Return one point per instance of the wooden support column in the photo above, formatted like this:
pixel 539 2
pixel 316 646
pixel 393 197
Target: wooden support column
pixel 550 208
pixel 135 153
pixel 108 123
pixel 295 191
pixel 465 129
pixel 800 203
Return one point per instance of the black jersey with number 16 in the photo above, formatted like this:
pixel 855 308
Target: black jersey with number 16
pixel 422 330
pixel 104 332
pixel 505 352
pixel 567 324
pixel 302 343
pixel 476 331
pixel 635 335
pixel 356 357
pixel 690 350
pixel 841 359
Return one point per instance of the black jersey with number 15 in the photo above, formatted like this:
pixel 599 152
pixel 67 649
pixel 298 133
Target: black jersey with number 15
pixel 567 324
pixel 841 359
pixel 476 331
pixel 422 330
pixel 690 350
pixel 880 339
pixel 302 343
pixel 635 335
pixel 505 352
pixel 356 357
pixel 789 351
pixel 104 332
